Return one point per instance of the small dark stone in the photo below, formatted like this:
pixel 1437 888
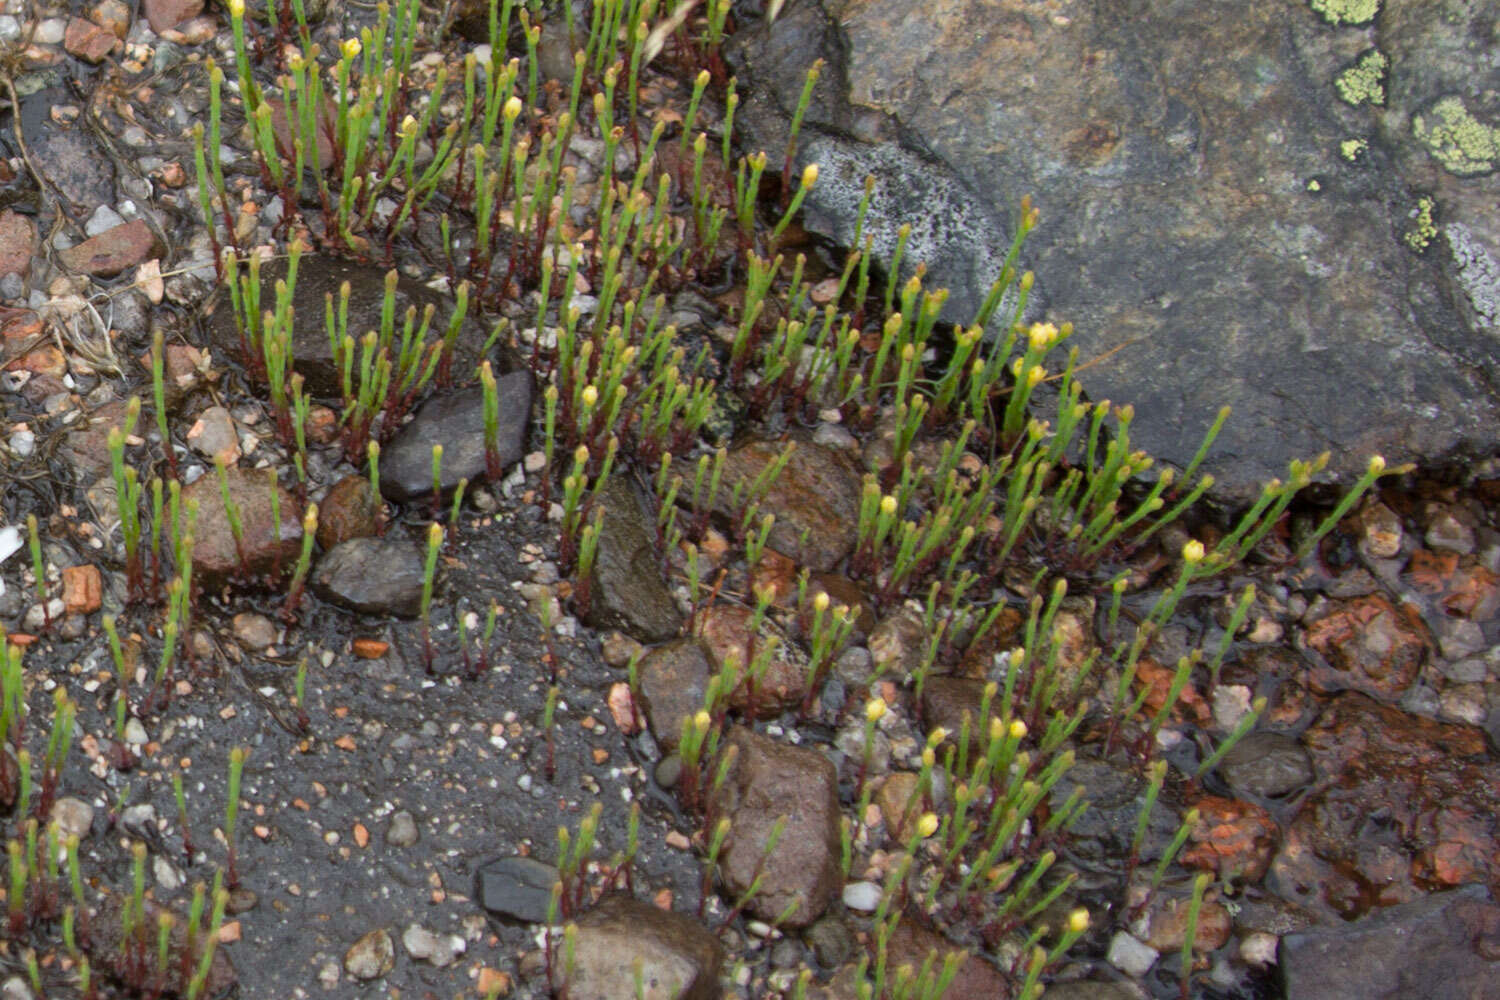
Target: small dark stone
pixel 669 771
pixel 1266 764
pixel 456 421
pixel 518 888
pixel 830 941
pixel 381 576
pixel 673 683
pixel 628 592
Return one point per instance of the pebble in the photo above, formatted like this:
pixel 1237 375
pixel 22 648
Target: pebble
pixel 102 221
pixel 15 988
pixel 372 956
pixel 403 830
pixel 439 949
pixel 135 733
pixel 74 817
pixel 23 443
pixel 862 896
pixel 1131 955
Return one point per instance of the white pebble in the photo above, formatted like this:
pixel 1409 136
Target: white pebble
pixel 1131 955
pixel 862 896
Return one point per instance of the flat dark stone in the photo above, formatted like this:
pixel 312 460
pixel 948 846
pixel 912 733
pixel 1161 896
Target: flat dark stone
pixel 518 888
pixel 381 576
pixel 456 421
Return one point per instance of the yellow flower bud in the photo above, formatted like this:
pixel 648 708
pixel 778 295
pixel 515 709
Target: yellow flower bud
pixel 888 506
pixel 237 9
pixel 701 721
pixel 937 736
pixel 351 47
pixel 1041 336
pixel 1017 730
pixel 1037 374
pixel 820 602
pixel 874 709
pixel 928 758
pixel 512 109
pixel 928 824
pixel 1377 464
pixel 1192 552
pixel 809 175
pixel 1078 920
pixel 590 396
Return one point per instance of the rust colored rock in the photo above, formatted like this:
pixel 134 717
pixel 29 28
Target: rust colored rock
pixel 114 250
pixel 262 553
pixel 83 589
pixel 768 781
pixel 17 237
pixel 1164 925
pixel 164 14
pixel 88 41
pixel 1407 804
pixel 1367 644
pixel 815 499
pixel 976 979
pixel 1231 838
pixel 725 632
pixel 348 511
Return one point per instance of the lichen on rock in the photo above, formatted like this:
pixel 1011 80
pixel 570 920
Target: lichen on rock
pixel 1365 80
pixel 1346 11
pixel 1463 144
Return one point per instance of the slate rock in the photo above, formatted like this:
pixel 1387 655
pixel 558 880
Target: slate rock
pixel 216 556
pixel 517 888
pixel 1445 946
pixel 678 956
pixel 1218 224
pixel 379 576
pixel 770 780
pixel 627 590
pixel 456 421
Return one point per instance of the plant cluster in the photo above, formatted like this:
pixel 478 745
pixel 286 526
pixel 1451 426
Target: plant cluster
pixel 373 151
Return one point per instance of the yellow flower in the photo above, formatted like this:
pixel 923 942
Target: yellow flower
pixel 351 46
pixel 874 709
pixel 928 824
pixel 1041 336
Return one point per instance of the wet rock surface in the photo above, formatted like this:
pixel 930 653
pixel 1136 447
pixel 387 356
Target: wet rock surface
pixel 1200 225
pixel 1446 945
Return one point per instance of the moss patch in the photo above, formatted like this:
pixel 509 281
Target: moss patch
pixel 1346 11
pixel 1365 80
pixel 1463 144
pixel 1423 230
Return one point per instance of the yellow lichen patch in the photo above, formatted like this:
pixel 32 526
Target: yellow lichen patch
pixel 1463 144
pixel 1346 11
pixel 1365 80
pixel 1423 230
pixel 1353 149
